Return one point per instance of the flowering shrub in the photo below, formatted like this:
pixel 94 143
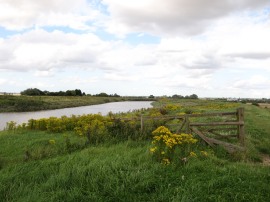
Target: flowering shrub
pixel 167 146
pixel 93 127
pixel 172 107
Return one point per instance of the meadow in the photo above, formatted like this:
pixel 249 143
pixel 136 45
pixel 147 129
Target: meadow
pixel 96 158
pixel 22 103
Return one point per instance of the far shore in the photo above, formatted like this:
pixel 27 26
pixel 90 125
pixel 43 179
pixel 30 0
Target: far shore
pixel 11 103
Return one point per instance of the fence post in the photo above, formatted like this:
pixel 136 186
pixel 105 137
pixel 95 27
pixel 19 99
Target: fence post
pixel 187 125
pixel 141 123
pixel 240 119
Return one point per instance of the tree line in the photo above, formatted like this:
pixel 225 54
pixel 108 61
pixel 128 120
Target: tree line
pixel 37 92
pixel 193 96
pixel 76 92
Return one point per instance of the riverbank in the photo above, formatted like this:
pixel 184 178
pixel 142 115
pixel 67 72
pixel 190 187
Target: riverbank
pixel 103 109
pixel 37 103
pixel 115 163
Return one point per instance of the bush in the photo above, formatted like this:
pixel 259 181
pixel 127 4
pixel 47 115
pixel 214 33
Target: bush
pixel 178 148
pixel 255 104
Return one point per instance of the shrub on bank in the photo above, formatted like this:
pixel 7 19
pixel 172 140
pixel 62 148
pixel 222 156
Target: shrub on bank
pixel 95 127
pixel 168 147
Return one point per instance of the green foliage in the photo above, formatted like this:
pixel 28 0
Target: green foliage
pixel 2 163
pixel 11 125
pixel 35 103
pixel 43 166
pixel 255 104
pixel 120 172
pixel 93 126
pixel 168 147
pixel 102 95
pixel 193 96
pixel 56 125
pixel 37 92
pixel 32 92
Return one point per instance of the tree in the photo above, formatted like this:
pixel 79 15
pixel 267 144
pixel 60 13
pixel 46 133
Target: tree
pixel 116 95
pixel 78 92
pixel 177 96
pixel 70 93
pixel 193 96
pixel 32 92
pixel 102 95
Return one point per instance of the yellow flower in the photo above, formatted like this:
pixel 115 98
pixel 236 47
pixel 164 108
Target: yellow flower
pixel 204 153
pixel 166 161
pixel 192 154
pixel 163 152
pixel 153 150
pixel 157 138
pixel 52 141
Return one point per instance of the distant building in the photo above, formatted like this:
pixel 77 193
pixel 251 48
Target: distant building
pixel 7 93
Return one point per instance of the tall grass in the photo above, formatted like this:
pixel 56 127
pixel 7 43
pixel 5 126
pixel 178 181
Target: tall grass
pixel 257 129
pixel 34 103
pixel 44 166
pixel 126 172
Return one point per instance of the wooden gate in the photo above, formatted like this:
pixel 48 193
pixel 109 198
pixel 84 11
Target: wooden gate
pixel 221 128
pixel 222 132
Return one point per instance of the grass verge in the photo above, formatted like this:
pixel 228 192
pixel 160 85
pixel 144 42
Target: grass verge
pixel 124 171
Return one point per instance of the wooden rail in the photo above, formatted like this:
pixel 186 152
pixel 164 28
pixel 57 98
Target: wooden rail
pixel 205 130
pixel 209 131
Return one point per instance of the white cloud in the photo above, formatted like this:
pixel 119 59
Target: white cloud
pixel 2 81
pixel 41 50
pixel 121 77
pixel 79 80
pixel 44 73
pixel 18 15
pixel 254 83
pixel 171 18
pixel 198 42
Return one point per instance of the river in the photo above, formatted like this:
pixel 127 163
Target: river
pixel 104 109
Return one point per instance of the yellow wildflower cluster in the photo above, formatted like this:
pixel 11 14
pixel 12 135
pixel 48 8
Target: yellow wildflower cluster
pixel 165 143
pixel 162 130
pixel 164 135
pixel 216 106
pixel 172 107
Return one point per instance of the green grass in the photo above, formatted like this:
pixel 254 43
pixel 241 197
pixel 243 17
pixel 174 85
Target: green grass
pixel 35 103
pixel 120 172
pixel 257 129
pixel 125 170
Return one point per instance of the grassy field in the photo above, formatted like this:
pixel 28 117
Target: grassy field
pixel 35 103
pixel 43 166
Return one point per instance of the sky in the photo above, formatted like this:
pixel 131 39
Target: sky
pixel 145 47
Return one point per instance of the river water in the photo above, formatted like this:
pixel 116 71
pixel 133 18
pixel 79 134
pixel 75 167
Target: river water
pixel 104 109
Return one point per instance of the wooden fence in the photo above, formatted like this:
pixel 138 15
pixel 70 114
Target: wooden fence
pixel 221 128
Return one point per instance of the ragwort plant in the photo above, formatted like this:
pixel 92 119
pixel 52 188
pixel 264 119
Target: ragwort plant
pixel 168 147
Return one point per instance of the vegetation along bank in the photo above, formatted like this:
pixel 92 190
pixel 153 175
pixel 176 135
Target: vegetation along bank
pixel 110 158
